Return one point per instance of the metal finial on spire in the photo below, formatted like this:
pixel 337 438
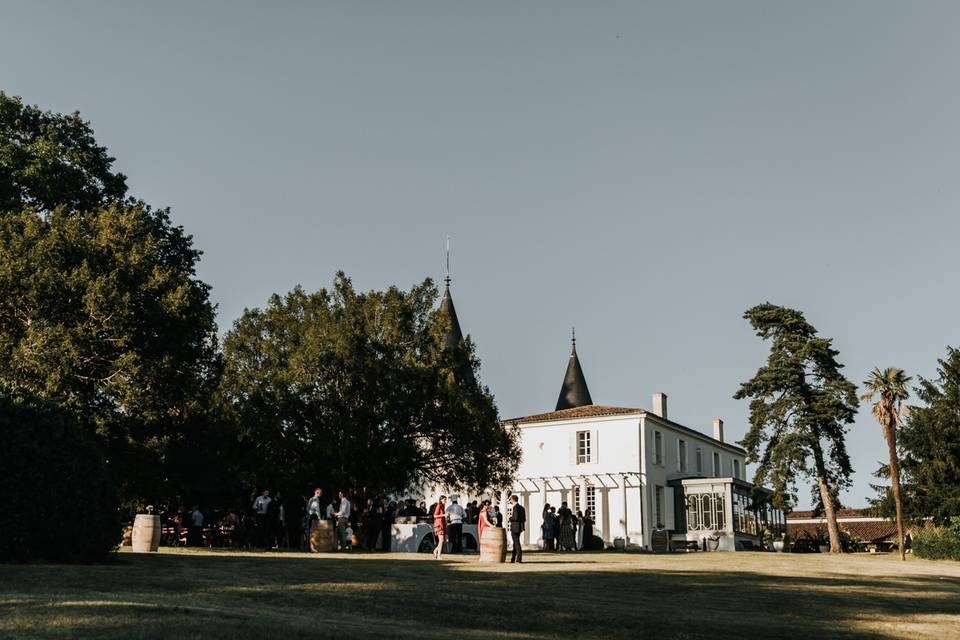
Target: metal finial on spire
pixel 573 333
pixel 447 278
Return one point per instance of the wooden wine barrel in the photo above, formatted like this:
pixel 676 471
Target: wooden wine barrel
pixel 323 536
pixel 493 545
pixel 146 533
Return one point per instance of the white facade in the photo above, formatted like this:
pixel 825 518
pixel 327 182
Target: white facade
pixel 621 463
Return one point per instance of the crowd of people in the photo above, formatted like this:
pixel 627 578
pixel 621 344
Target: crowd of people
pixel 274 522
pixel 566 530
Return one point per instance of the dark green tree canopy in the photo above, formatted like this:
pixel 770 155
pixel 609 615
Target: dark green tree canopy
pixel 800 406
pixel 929 444
pixel 49 160
pixel 101 311
pixel 354 390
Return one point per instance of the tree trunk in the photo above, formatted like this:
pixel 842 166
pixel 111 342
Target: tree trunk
pixel 826 495
pixel 891 434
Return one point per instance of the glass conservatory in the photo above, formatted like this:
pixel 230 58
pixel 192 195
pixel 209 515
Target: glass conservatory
pixel 724 514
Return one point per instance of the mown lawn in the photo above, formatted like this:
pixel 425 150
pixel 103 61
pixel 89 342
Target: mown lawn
pixel 199 594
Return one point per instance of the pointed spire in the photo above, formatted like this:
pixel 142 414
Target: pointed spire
pixel 574 392
pixel 454 336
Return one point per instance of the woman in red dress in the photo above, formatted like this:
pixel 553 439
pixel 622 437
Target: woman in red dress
pixel 440 525
pixel 483 520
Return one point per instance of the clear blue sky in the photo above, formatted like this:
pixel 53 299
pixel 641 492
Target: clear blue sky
pixel 644 171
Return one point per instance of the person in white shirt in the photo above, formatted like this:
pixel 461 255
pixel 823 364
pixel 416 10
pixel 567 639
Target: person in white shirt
pixel 260 507
pixel 195 533
pixel 262 503
pixel 343 520
pixel 313 505
pixel 455 516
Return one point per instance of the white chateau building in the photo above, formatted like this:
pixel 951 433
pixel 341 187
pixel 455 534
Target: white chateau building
pixel 648 481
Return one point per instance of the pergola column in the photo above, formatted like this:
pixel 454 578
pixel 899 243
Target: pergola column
pixel 543 501
pixel 582 505
pixel 623 495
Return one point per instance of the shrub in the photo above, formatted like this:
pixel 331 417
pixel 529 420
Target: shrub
pixel 595 543
pixel 938 544
pixel 60 503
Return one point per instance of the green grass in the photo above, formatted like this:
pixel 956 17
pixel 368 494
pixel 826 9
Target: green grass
pixel 199 594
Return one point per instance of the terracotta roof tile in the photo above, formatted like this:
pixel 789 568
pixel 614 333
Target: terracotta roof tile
pixel 588 411
pixel 842 513
pixel 881 531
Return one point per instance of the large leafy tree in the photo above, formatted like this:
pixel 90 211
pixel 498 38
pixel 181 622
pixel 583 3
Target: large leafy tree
pixel 800 406
pixel 354 390
pixel 929 448
pixel 890 385
pixel 50 160
pixel 101 311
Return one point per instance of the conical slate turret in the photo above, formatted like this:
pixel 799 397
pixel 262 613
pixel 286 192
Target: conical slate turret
pixel 453 336
pixel 574 392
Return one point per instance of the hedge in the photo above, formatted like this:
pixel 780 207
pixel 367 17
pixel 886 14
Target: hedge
pixel 938 544
pixel 60 504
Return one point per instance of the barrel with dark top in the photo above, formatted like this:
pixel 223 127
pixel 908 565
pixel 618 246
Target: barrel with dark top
pixel 146 533
pixel 493 545
pixel 323 537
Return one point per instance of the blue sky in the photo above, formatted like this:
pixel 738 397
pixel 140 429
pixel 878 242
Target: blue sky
pixel 644 171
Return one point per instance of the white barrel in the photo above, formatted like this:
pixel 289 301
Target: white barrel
pixel 146 533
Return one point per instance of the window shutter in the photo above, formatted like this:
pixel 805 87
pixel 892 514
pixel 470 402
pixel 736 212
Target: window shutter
pixel 595 446
pixel 668 521
pixel 573 448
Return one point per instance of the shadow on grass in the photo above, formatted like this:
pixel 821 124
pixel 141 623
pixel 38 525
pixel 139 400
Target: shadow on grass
pixel 266 595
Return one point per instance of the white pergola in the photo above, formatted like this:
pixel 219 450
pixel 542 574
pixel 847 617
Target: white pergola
pixel 568 483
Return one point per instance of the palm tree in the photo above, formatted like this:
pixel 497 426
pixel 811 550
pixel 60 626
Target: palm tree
pixel 889 410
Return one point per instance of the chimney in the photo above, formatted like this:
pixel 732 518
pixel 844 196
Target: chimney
pixel 718 429
pixel 660 404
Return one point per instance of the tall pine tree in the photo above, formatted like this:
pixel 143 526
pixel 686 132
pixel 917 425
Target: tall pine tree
pixel 800 406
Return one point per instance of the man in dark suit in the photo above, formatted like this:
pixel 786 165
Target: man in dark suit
pixel 518 520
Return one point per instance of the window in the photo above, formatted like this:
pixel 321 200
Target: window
pixel 736 468
pixel 658 509
pixel 718 508
pixel 699 460
pixel 705 511
pixel 716 464
pixel 682 453
pixel 693 513
pixel 590 503
pixel 657 447
pixel 745 516
pixel 583 447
